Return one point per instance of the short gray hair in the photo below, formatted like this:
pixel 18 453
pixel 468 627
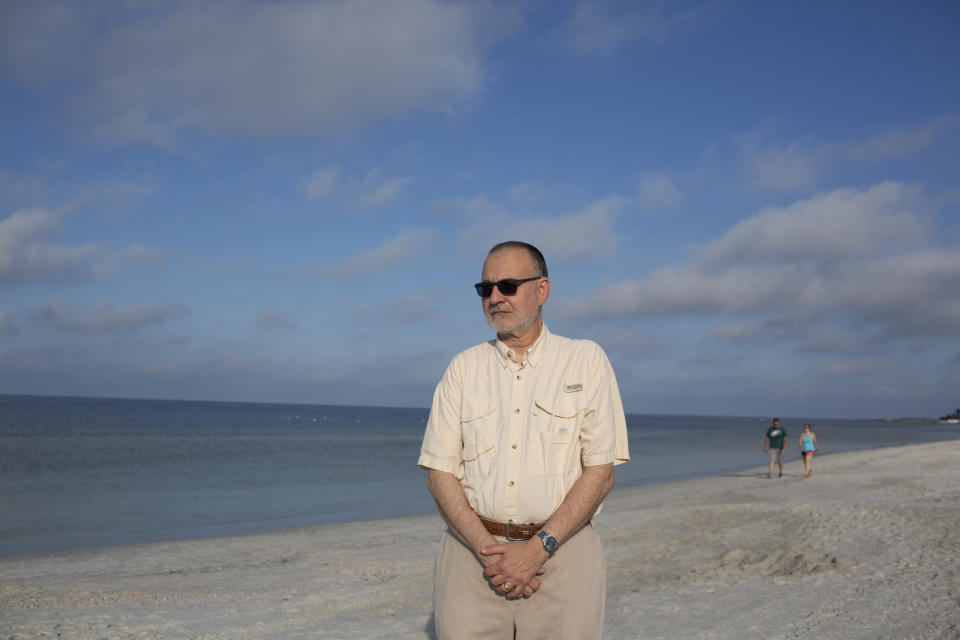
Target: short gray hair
pixel 538 261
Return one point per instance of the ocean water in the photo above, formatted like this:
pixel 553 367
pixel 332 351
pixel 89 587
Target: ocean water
pixel 85 472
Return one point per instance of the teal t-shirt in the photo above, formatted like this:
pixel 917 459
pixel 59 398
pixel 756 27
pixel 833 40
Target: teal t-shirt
pixel 776 435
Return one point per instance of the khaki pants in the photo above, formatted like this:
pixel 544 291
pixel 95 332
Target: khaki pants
pixel 568 605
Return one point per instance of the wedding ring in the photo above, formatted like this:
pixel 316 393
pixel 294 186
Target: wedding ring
pixel 506 587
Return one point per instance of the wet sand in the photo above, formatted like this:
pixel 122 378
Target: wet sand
pixel 868 547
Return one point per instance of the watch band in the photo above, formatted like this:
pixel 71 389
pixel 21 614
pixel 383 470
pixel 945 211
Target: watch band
pixel 550 544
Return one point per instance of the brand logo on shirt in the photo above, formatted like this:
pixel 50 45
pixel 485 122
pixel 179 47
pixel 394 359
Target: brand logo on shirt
pixel 570 388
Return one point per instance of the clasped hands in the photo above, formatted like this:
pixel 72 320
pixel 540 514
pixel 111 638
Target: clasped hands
pixel 512 567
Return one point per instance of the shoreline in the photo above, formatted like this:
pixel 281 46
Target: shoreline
pixel 102 473
pixel 228 530
pixel 868 547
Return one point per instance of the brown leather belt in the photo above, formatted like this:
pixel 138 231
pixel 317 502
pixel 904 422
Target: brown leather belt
pixel 511 530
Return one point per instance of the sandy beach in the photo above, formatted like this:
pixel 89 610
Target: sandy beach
pixel 868 547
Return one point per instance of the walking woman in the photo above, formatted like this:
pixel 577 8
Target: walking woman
pixel 808 445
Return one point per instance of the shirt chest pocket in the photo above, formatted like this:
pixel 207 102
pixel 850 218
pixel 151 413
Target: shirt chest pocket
pixel 552 444
pixel 478 428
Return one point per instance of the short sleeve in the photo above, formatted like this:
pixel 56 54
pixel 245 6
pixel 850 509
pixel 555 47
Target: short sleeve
pixel 604 433
pixel 442 446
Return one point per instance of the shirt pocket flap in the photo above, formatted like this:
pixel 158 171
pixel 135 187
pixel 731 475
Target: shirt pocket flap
pixel 473 451
pixel 561 407
pixel 476 408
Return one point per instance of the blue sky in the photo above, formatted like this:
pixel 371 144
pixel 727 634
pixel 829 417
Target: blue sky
pixel 753 206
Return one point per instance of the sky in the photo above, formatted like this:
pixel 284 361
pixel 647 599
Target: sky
pixel 754 207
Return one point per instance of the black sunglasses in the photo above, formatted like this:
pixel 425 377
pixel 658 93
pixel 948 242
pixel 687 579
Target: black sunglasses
pixel 507 286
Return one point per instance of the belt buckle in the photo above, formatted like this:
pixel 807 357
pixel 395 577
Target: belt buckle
pixel 508 536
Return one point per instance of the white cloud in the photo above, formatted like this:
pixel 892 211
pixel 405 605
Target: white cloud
pixel 395 251
pixel 26 253
pixel 113 195
pixel 385 193
pixel 323 184
pixel 584 234
pixel 846 255
pixel 910 294
pixel 828 226
pixel 136 253
pixel 601 26
pixel 525 195
pixel 371 191
pixel 657 190
pixel 579 235
pixel 765 163
pixel 762 163
pixel 145 71
pixel 905 140
pixel 781 168
pixel 770 166
pixel 105 318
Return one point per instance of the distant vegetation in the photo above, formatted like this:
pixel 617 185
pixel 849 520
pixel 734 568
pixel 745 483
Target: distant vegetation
pixel 952 416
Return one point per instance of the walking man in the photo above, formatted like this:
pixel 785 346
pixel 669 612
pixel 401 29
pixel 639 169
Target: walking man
pixel 523 435
pixel 776 443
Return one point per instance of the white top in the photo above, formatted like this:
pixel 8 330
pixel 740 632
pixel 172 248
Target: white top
pixel 517 434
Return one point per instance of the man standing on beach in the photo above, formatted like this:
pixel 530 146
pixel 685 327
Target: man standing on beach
pixel 776 442
pixel 520 446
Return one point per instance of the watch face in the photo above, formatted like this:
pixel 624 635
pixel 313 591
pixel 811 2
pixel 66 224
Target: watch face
pixel 550 543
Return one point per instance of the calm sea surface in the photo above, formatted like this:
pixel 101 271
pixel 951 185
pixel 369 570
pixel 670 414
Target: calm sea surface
pixel 83 472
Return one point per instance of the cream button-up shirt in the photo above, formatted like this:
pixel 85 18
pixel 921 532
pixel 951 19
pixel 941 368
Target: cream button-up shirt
pixel 518 434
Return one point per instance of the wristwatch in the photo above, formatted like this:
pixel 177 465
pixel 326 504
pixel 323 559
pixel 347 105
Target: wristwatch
pixel 550 543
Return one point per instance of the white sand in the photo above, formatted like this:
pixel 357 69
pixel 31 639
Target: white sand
pixel 869 547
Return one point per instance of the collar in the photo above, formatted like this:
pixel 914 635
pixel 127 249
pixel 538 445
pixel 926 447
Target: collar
pixel 532 355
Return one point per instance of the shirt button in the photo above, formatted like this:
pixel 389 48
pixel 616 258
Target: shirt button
pixel 515 445
pixel 510 484
pixel 519 377
pixel 516 410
